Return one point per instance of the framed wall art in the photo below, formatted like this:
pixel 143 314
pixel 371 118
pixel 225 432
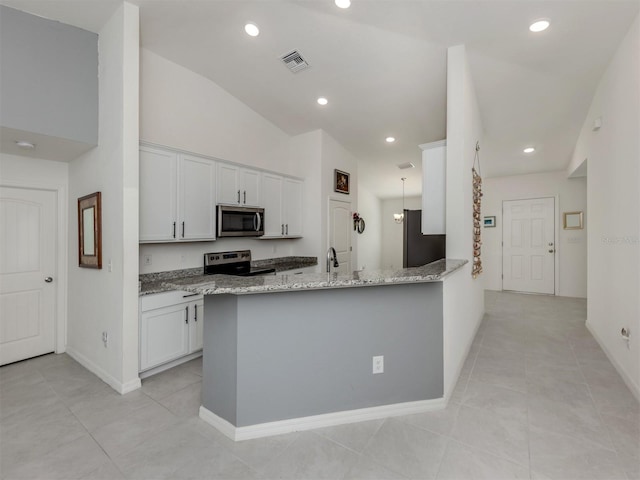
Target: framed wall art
pixel 489 222
pixel 341 183
pixel 572 220
pixel 90 231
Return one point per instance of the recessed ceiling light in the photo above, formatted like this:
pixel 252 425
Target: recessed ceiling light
pixel 25 145
pixel 539 26
pixel 252 29
pixel 529 150
pixel 343 3
pixel 390 139
pixel 322 101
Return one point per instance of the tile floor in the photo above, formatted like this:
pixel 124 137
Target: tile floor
pixel 537 398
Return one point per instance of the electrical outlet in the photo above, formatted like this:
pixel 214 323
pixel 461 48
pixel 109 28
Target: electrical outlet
pixel 105 339
pixel 183 259
pixel 378 364
pixel 148 259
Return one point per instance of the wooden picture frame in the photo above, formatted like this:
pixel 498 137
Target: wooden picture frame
pixel 341 182
pixel 90 231
pixel 489 222
pixel 572 220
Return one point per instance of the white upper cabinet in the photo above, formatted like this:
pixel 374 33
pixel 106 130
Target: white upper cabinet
pixel 177 196
pixel 158 195
pixel 282 206
pixel 197 198
pixel 272 193
pixel 292 203
pixel 434 170
pixel 238 185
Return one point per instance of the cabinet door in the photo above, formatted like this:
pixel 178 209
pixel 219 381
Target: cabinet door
pixel 228 191
pixel 272 201
pixel 196 326
pixel 250 183
pixel 164 335
pixel 197 200
pixel 292 200
pixel 158 206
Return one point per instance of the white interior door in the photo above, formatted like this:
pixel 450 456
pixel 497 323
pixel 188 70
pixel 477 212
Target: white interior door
pixel 528 245
pixel 28 227
pixel 340 223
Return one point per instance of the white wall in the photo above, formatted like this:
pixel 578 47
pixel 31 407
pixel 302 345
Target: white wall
pixel 571 252
pixel 392 232
pixel 181 109
pixel 463 301
pixel 613 197
pixel 106 299
pixel 19 171
pixel 370 241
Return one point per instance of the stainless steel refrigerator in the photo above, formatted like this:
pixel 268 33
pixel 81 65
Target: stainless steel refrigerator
pixel 420 249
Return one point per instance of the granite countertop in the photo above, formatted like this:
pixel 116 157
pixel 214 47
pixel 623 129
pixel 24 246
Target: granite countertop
pixel 225 284
pixel 158 282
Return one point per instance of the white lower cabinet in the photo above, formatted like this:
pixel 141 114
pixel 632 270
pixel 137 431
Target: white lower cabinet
pixel 170 327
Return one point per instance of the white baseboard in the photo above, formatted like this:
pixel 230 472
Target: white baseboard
pixel 318 421
pixel 118 386
pixel 171 364
pixel 635 389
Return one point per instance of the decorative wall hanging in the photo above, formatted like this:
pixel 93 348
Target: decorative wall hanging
pixel 341 184
pixel 572 220
pixel 489 222
pixel 90 231
pixel 476 269
pixel 358 222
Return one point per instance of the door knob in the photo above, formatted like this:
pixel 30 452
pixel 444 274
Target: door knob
pixel 48 279
pixel 551 251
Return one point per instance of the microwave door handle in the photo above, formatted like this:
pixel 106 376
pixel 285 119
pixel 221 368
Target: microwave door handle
pixel 259 218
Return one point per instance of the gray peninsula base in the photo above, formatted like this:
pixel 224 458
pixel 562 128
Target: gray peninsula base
pixel 276 356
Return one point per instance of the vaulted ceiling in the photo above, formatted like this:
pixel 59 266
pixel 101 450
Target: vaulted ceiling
pixel 382 66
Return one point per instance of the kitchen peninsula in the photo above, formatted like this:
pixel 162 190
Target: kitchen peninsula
pixel 292 352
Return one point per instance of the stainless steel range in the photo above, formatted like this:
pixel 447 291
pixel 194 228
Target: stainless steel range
pixel 232 263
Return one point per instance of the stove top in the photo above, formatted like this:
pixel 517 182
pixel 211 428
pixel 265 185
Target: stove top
pixel 232 263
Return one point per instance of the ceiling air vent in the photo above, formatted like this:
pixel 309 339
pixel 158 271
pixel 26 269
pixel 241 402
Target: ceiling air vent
pixel 404 166
pixel 294 61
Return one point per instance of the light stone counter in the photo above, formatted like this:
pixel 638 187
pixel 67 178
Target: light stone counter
pixel 225 284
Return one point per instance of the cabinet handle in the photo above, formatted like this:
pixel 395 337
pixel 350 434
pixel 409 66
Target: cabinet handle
pixel 182 229
pixel 286 229
pixel 282 229
pixel 186 317
pixel 238 196
pixel 245 197
pixel 195 313
pixel 174 229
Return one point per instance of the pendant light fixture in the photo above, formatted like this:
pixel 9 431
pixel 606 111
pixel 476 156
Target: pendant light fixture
pixel 399 217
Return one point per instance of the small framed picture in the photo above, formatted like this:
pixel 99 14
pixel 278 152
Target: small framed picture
pixel 341 184
pixel 489 222
pixel 572 220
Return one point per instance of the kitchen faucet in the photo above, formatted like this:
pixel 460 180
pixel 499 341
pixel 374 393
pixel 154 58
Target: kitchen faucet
pixel 332 255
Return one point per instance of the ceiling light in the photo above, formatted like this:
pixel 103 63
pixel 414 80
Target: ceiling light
pixel 529 150
pixel 252 29
pixel 25 145
pixel 343 3
pixel 390 139
pixel 322 101
pixel 539 26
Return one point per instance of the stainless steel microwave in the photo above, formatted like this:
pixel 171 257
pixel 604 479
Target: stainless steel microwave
pixel 240 221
